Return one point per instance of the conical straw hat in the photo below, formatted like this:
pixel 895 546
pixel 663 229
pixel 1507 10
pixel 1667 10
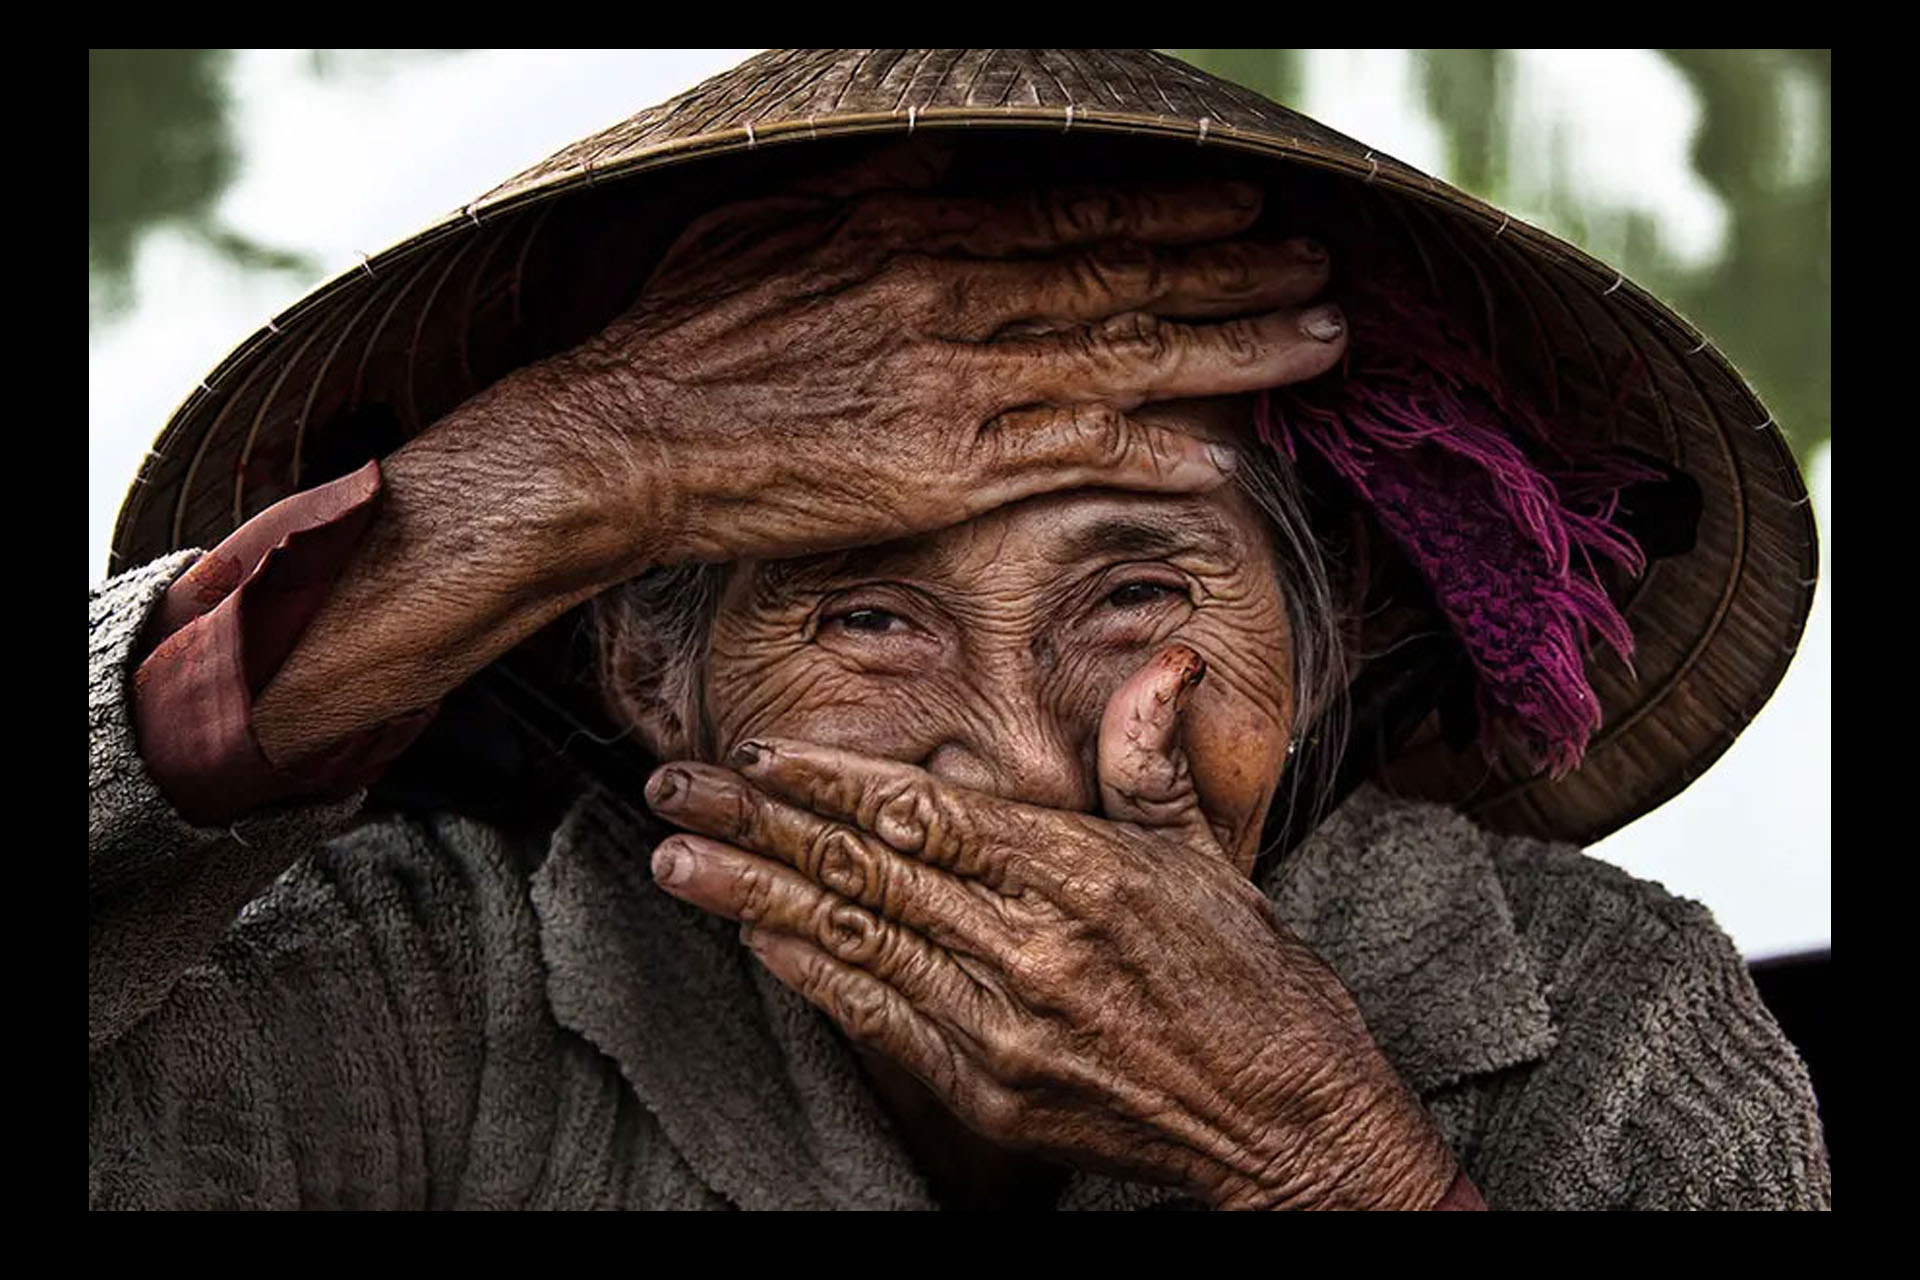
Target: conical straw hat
pixel 544 260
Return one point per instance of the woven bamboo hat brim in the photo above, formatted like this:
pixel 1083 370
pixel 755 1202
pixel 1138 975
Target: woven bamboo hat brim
pixel 543 261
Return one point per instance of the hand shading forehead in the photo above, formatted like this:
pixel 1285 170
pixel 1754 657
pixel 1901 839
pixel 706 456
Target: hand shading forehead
pixel 1054 532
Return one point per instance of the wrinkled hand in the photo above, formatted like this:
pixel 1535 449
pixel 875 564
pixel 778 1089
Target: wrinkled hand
pixel 1105 991
pixel 842 364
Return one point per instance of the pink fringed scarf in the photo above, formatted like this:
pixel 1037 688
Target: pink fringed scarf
pixel 1422 427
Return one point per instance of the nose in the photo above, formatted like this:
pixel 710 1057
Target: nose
pixel 1031 761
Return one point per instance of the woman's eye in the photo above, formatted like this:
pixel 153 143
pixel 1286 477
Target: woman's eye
pixel 873 621
pixel 1136 594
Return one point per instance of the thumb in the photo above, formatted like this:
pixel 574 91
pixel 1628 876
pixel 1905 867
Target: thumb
pixel 1144 777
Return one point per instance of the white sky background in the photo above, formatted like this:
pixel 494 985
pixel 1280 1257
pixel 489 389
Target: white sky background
pixel 358 162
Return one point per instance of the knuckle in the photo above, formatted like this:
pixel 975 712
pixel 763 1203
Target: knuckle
pixel 905 815
pixel 1031 973
pixel 1136 335
pixel 911 277
pixel 838 861
pixel 1093 891
pixel 999 1114
pixel 848 932
pixel 755 895
pixel 1083 213
pixel 1233 269
pixel 1034 878
pixel 1111 435
pixel 1130 878
pixel 1051 978
pixel 862 1008
pixel 1240 341
pixel 1016 1058
pixel 1021 877
pixel 742 810
pixel 1122 268
pixel 1154 452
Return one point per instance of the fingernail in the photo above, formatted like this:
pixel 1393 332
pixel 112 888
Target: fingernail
pixel 1307 249
pixel 1243 195
pixel 1196 672
pixel 671 866
pixel 747 755
pixel 1224 458
pixel 665 785
pixel 1323 323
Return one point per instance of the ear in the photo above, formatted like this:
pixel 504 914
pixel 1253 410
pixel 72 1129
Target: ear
pixel 636 687
pixel 659 730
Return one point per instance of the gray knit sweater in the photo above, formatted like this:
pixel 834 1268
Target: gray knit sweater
pixel 303 1010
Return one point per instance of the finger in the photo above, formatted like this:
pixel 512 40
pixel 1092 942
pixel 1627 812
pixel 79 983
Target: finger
pixel 869 1011
pixel 1033 451
pixel 913 164
pixel 761 894
pixel 983 298
pixel 1048 220
pixel 780 224
pixel 841 860
pixel 908 809
pixel 747 236
pixel 1144 777
pixel 1134 357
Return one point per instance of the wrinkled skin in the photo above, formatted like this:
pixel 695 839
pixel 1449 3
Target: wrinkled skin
pixel 1011 860
pixel 844 363
pixel 1020 869
pixel 811 374
pixel 987 653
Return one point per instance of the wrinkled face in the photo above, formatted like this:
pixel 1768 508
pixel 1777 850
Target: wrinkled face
pixel 986 653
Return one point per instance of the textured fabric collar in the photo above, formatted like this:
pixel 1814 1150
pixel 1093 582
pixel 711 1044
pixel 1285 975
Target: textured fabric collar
pixel 1403 901
pixel 769 1108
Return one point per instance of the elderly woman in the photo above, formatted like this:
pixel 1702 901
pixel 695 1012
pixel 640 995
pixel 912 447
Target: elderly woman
pixel 988 564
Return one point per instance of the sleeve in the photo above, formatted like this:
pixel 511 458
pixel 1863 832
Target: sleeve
pixel 294 1008
pixel 1670 1085
pixel 369 1033
pixel 187 821
pixel 222 631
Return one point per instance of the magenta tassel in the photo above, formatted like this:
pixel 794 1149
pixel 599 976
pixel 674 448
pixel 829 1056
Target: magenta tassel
pixel 1424 430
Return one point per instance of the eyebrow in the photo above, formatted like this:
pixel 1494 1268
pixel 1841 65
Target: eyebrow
pixel 1145 535
pixel 1131 534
